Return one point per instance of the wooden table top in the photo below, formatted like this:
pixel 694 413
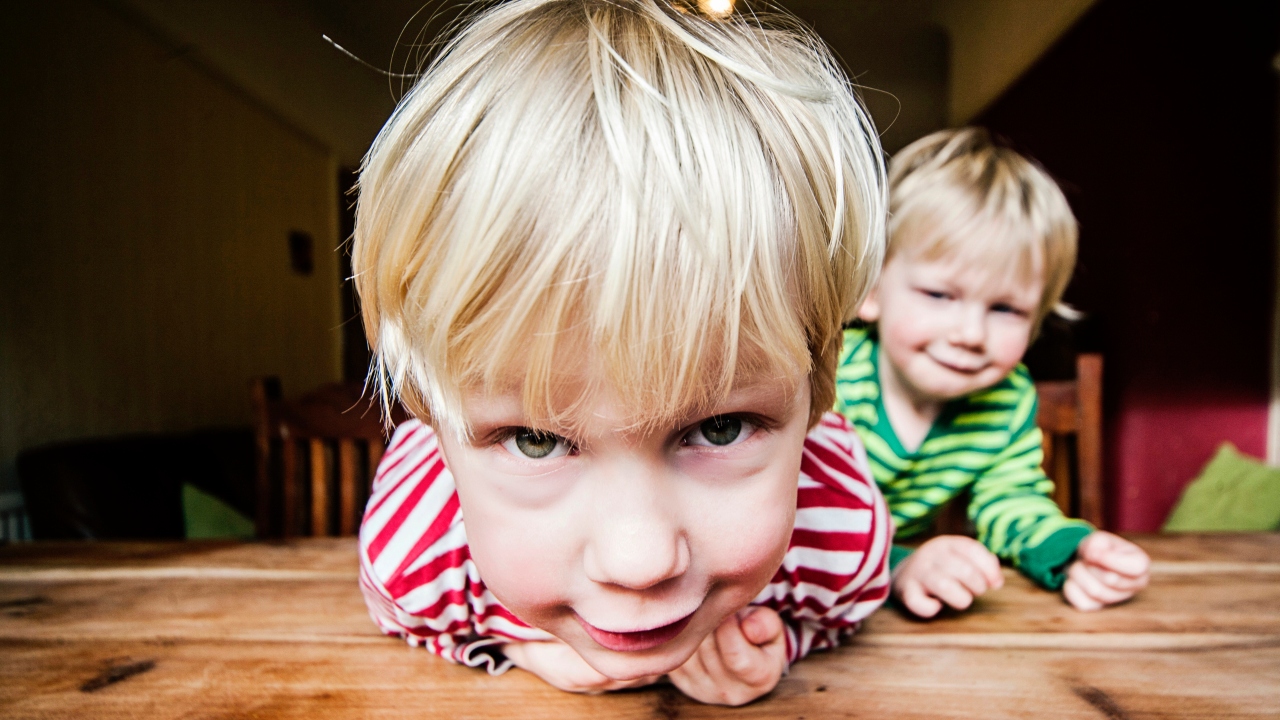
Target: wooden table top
pixel 222 630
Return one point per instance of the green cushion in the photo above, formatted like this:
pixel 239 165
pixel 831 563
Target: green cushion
pixel 1233 493
pixel 208 517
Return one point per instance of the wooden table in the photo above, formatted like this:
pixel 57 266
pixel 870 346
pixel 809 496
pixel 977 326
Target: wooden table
pixel 219 630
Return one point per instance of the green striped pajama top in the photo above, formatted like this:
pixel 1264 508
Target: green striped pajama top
pixel 986 442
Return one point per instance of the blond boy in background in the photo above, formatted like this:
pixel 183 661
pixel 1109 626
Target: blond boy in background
pixel 981 247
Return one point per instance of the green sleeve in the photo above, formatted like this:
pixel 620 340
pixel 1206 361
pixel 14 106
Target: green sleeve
pixel 897 553
pixel 1013 509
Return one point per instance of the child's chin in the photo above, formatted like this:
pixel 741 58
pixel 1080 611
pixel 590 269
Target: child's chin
pixel 946 385
pixel 625 666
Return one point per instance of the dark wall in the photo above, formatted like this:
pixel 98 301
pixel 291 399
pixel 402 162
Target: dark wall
pixel 1160 121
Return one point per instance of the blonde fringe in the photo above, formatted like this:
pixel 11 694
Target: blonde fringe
pixel 617 190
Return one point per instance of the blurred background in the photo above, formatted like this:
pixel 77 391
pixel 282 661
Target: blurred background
pixel 176 206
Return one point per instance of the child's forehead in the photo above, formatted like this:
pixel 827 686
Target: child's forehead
pixel 996 249
pixel 994 273
pixel 581 398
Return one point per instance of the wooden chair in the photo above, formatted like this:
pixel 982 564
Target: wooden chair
pixel 1070 417
pixel 299 445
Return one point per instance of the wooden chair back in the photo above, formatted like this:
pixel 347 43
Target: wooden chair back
pixel 1070 418
pixel 316 458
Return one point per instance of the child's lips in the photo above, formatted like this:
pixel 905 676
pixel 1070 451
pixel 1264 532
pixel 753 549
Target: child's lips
pixel 964 369
pixel 637 640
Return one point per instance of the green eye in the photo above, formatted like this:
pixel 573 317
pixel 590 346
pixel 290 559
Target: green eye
pixel 721 430
pixel 534 444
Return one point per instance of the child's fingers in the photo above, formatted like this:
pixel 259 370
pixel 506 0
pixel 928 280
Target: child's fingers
pixel 950 591
pixel 702 675
pixel 710 657
pixel 1135 566
pixel 734 652
pixel 750 663
pixel 562 667
pixel 727 669
pixel 1115 554
pixel 973 578
pixel 984 561
pixel 1115 580
pixel 693 667
pixel 1093 587
pixel 917 601
pixel 1128 561
pixel 760 625
pixel 692 677
pixel 1078 598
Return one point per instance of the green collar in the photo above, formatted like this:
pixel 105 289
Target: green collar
pixel 941 424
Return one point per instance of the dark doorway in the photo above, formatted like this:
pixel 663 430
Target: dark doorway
pixel 355 347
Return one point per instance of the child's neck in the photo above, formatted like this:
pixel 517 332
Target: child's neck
pixel 910 414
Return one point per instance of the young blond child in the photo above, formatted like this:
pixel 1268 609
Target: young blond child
pixel 981 246
pixel 605 250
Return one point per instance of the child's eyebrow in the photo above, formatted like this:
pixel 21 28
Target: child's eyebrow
pixel 778 394
pixel 486 413
pixel 772 397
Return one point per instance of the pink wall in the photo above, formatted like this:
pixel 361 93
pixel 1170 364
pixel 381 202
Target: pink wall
pixel 1161 443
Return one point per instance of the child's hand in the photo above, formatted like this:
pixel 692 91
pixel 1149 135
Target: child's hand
pixel 742 660
pixel 1108 569
pixel 948 569
pixel 562 667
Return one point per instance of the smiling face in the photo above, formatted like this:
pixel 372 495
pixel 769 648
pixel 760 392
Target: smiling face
pixel 948 328
pixel 631 546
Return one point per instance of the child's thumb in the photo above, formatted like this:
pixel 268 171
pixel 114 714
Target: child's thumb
pixel 1132 562
pixel 1113 553
pixel 760 625
pixel 1096 548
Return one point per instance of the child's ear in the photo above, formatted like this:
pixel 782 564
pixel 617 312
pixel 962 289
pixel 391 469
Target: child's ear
pixel 870 310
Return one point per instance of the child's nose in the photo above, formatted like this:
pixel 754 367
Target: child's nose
pixel 970 329
pixel 636 541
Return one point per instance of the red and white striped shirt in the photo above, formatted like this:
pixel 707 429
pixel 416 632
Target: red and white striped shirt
pixel 419 580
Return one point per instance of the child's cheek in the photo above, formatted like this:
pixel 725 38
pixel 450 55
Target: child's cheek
pixel 524 568
pixel 518 555
pixel 1007 348
pixel 750 559
pixel 743 536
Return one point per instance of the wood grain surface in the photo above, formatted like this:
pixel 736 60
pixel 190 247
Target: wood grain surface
pixel 222 630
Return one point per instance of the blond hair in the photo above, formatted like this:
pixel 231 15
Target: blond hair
pixel 673 198
pixel 957 193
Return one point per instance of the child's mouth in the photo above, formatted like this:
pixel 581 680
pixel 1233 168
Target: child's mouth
pixel 638 640
pixel 962 368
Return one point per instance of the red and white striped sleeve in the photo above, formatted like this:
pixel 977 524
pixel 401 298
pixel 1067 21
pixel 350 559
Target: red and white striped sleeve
pixel 836 570
pixel 416 571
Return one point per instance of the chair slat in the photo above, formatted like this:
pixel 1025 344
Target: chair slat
pixel 330 424
pixel 1059 470
pixel 319 489
pixel 289 486
pixel 1073 409
pixel 1057 412
pixel 1089 440
pixel 1047 448
pixel 347 462
pixel 262 393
